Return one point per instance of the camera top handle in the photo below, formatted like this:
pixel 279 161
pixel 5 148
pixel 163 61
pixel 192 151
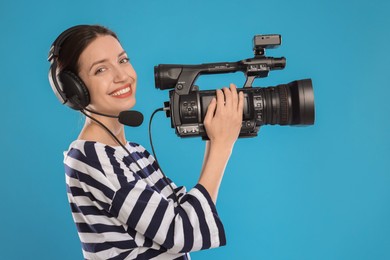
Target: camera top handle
pixel 182 77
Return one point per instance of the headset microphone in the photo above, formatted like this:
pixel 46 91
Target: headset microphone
pixel 129 117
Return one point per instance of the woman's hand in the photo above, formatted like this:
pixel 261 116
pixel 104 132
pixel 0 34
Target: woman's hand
pixel 223 118
pixel 223 122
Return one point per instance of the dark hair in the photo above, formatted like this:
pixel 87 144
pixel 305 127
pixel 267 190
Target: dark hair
pixel 75 44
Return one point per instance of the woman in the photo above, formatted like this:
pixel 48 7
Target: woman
pixel 122 204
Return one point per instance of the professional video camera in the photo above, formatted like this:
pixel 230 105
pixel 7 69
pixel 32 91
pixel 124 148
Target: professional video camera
pixel 285 104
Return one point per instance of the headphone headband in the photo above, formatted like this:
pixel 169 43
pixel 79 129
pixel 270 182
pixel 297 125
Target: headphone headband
pixel 56 45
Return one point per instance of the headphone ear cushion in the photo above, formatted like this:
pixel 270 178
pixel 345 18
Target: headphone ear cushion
pixel 74 88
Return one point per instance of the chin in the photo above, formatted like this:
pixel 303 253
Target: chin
pixel 130 105
pixel 117 106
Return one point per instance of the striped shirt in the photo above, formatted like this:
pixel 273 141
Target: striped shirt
pixel 122 212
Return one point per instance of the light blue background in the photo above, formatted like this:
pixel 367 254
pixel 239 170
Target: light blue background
pixel 319 192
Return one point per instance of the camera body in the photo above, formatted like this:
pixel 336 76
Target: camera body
pixel 286 104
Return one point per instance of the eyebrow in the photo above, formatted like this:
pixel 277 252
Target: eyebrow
pixel 104 60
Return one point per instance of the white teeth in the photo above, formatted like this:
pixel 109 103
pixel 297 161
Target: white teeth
pixel 121 92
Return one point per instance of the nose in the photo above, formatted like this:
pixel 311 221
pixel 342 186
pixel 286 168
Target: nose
pixel 120 74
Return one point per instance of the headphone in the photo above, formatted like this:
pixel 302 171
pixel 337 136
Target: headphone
pixel 67 86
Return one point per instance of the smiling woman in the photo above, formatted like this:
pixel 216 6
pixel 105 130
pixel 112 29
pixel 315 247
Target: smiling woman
pixel 123 205
pixel 105 68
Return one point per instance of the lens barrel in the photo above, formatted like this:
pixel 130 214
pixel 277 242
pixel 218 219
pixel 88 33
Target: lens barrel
pixel 289 104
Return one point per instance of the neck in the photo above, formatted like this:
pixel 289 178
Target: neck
pixel 92 131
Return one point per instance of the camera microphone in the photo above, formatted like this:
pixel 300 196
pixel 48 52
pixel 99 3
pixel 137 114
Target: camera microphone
pixel 129 117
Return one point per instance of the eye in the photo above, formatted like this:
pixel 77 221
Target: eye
pixel 100 70
pixel 124 60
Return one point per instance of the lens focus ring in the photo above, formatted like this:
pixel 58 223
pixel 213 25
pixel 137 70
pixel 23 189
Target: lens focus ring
pixel 283 105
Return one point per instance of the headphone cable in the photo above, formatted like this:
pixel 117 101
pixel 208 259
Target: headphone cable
pixel 112 135
pixel 176 199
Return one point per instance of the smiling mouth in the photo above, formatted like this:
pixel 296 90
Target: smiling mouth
pixel 121 92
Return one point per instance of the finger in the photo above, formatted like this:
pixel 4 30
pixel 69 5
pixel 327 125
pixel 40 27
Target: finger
pixel 220 99
pixel 228 97
pixel 210 110
pixel 240 102
pixel 233 89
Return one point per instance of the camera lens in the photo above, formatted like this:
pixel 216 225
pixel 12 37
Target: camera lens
pixel 289 104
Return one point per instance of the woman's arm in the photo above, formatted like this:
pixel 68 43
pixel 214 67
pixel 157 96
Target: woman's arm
pixel 100 181
pixel 223 122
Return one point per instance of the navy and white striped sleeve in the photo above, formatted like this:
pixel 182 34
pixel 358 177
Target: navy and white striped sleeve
pixel 191 225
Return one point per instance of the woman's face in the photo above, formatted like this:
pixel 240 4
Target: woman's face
pixel 110 78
